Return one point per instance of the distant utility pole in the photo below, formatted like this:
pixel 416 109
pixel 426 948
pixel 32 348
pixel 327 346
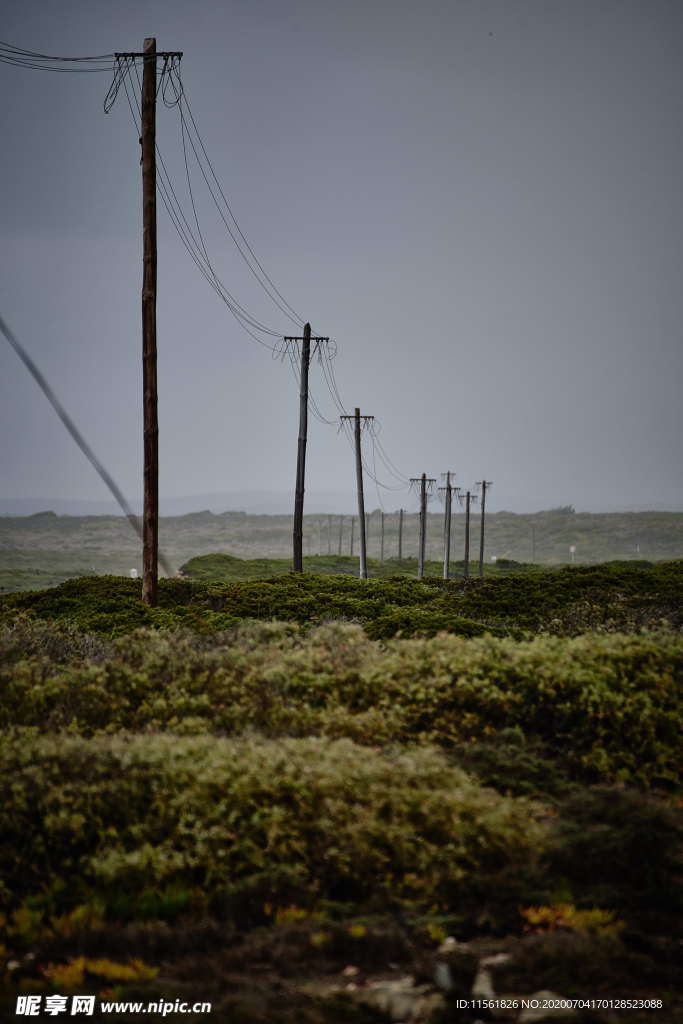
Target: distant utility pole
pixel 425 483
pixel 341 532
pixel 484 484
pixel 381 537
pixel 468 499
pixel 360 421
pixel 298 560
pixel 447 492
pixel 400 534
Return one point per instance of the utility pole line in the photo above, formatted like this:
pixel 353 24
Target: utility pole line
pixel 400 534
pixel 360 421
pixel 425 483
pixel 468 498
pixel 484 484
pixel 341 533
pixel 297 559
pixel 447 492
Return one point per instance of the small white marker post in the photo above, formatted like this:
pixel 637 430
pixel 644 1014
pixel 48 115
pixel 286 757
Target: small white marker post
pixel 572 550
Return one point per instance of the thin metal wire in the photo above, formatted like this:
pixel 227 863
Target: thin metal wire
pixel 178 219
pixel 77 436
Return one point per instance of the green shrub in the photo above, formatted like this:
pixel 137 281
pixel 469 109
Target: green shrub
pixel 290 821
pixel 568 601
pixel 602 707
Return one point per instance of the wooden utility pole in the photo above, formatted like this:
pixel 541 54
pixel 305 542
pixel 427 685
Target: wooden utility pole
pixel 425 483
pixel 358 422
pixel 400 534
pixel 150 514
pixel 484 484
pixel 448 501
pixel 468 499
pixel 297 557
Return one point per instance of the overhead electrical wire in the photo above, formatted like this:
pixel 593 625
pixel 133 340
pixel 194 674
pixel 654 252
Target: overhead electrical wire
pixel 171 88
pixel 77 436
pixel 186 235
pixel 10 54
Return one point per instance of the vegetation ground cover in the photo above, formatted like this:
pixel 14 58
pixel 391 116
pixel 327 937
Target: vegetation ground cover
pixel 277 778
pixel 43 549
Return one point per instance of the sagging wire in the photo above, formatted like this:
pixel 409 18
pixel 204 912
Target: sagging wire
pixel 15 55
pixel 184 231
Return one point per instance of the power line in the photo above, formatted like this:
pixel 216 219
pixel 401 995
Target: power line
pixel 186 235
pixel 77 436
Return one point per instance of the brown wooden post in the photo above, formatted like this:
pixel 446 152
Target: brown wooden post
pixel 150 516
pixel 423 527
pixel 469 498
pixel 448 494
pixel 298 558
pixel 485 484
pixel 363 568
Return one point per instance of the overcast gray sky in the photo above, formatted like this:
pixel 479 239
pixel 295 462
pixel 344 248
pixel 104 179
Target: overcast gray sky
pixel 479 200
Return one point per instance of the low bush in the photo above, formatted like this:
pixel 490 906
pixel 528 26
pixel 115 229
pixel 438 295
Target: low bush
pixel 601 707
pixel 248 823
pixel 567 601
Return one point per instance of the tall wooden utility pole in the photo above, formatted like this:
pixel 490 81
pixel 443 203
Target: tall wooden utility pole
pixel 150 515
pixel 484 484
pixel 150 512
pixel 448 501
pixel 298 554
pixel 468 499
pixel 358 422
pixel 400 534
pixel 425 483
pixel 297 558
